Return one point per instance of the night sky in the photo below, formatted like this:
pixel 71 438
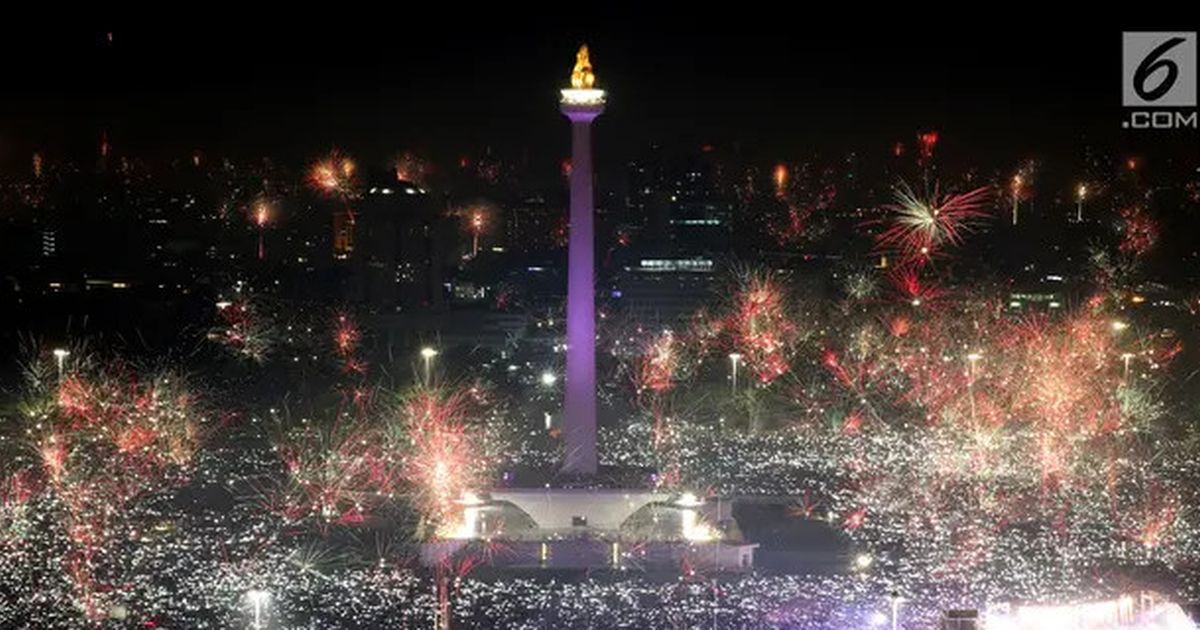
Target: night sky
pixel 374 83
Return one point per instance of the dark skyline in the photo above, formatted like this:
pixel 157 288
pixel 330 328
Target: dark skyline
pixel 768 87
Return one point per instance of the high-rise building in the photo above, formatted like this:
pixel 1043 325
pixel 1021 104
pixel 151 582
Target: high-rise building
pixel 399 243
pixel 49 242
pixel 648 198
pixel 701 226
pixel 678 202
pixel 343 233
pixel 531 225
pixel 700 213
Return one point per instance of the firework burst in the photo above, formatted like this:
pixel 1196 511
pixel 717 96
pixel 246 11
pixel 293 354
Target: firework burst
pixel 335 176
pixel 761 324
pixel 986 431
pixel 336 472
pixel 442 456
pixel 99 441
pixel 921 227
pixel 410 167
pixel 657 367
pixel 1139 231
pixel 243 330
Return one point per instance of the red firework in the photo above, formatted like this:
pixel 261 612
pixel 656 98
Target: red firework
pixel 111 438
pixel 762 329
pixel 444 460
pixel 242 330
pixel 337 474
pixel 911 289
pixel 334 175
pixel 657 365
pixel 655 374
pixel 921 228
pixel 412 168
pixel 795 224
pixel 1139 231
pixel 346 337
pixel 926 143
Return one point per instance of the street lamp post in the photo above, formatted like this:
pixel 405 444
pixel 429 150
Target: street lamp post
pixel 262 214
pixel 1017 182
pixel 549 379
pixel 972 359
pixel 1080 194
pixel 895 599
pixel 734 359
pixel 60 355
pixel 476 226
pixel 258 600
pixel 428 354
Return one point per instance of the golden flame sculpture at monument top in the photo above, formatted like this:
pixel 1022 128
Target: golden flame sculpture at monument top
pixel 582 77
pixel 583 89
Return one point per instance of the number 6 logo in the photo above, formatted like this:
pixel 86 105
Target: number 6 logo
pixel 1159 70
pixel 1151 64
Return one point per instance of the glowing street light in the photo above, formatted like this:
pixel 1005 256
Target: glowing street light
pixel 427 354
pixel 549 378
pixel 1119 325
pixel 1080 194
pixel 1017 183
pixel 476 228
pixel 60 355
pixel 863 561
pixel 259 600
pixel 734 359
pixel 261 216
pixel 896 600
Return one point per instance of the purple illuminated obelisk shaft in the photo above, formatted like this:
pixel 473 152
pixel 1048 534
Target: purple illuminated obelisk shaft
pixel 579 413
